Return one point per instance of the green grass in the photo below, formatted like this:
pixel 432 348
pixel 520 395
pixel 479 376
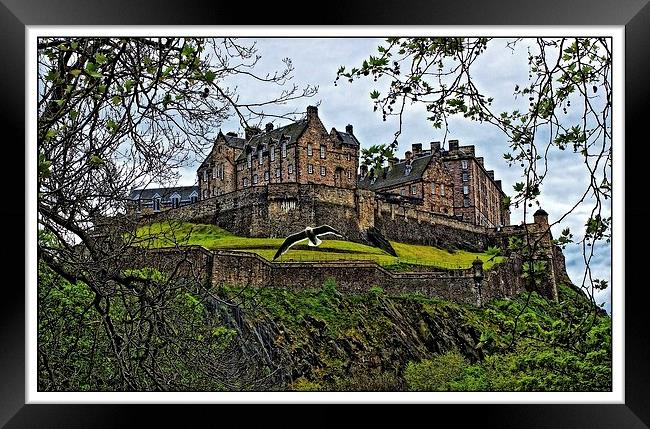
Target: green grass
pixel 212 237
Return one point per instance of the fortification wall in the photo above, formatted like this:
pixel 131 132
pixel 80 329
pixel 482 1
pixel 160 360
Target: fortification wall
pixel 357 277
pixel 400 222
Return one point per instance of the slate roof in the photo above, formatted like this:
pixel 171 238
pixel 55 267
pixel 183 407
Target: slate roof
pixel 293 131
pixel 346 138
pixel 234 141
pixel 395 174
pixel 165 193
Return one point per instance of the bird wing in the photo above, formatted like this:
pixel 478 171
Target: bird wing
pixel 290 241
pixel 326 229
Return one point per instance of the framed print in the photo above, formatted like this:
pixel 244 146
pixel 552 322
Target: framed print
pixel 182 187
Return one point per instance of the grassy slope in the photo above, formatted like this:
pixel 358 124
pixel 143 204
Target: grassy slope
pixel 213 237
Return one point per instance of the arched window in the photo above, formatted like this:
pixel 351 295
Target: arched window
pixel 156 203
pixel 176 200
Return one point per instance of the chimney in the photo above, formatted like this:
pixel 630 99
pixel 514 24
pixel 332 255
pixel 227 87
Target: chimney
pixel 251 131
pixel 453 145
pixel 269 127
pixel 312 112
pixel 409 155
pixel 348 129
pixel 417 149
pixel 480 160
pixel 498 183
pixel 435 147
pixel 231 134
pixel 491 174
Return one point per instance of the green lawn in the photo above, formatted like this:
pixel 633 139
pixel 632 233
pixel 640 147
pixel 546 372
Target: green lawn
pixel 212 237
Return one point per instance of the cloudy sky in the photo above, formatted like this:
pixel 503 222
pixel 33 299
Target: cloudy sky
pixel 316 62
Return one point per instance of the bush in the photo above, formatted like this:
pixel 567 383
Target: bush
pixel 437 374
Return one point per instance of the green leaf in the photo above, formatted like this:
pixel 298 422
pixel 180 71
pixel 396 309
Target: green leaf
pixel 210 76
pixel 74 114
pixel 75 72
pixel 518 187
pixel 374 94
pixel 116 99
pixel 100 58
pixel 60 101
pixel 91 70
pixel 74 45
pixel 128 84
pixel 112 126
pixel 43 166
pixel 95 160
pixel 52 75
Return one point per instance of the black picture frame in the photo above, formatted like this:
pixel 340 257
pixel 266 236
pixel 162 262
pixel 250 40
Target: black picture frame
pixel 15 15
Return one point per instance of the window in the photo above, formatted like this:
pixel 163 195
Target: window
pixel 245 182
pixel 205 175
pixel 463 164
pixel 465 177
pixel 176 201
pixel 323 171
pixel 347 156
pixel 290 168
pixel 466 202
pixel 403 192
pixel 349 174
pixel 194 198
pixel 284 150
pixel 156 204
pixel 310 152
pixel 414 189
pixel 323 151
pixel 272 153
pixel 249 160
pixel 407 169
pixel 259 156
pixel 310 168
pixel 277 172
pixel 465 190
pixel 433 188
pixel 254 179
pixel 266 176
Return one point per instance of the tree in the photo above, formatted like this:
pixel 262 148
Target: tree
pixel 116 114
pixel 566 106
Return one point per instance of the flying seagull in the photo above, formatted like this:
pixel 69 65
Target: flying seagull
pixel 311 234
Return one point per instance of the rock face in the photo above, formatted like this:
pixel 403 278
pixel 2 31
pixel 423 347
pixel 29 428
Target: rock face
pixel 324 334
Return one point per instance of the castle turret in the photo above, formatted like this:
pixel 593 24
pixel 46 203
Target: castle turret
pixel 541 218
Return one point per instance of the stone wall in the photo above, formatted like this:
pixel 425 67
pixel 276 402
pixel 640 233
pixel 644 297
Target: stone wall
pixel 214 268
pixel 203 211
pixel 399 222
pixel 244 269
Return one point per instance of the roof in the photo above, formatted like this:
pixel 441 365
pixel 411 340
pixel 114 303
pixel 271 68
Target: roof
pixel 294 130
pixel 395 174
pixel 234 141
pixel 347 138
pixel 164 193
pixel 540 212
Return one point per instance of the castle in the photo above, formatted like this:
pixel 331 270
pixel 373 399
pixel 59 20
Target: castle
pixel 451 183
pixel 275 182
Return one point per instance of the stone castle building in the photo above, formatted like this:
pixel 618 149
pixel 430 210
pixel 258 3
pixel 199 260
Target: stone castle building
pixel 302 152
pixel 453 183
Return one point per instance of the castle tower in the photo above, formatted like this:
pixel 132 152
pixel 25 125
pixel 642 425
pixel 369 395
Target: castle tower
pixel 541 218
